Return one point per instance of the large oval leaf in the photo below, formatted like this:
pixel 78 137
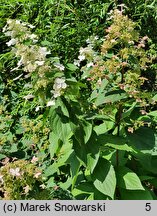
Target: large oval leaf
pixel 127 179
pixel 105 178
pixel 135 195
pixel 111 97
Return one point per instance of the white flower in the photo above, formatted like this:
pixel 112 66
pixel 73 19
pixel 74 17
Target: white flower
pixel 29 96
pixel 15 172
pixel 18 77
pixel 76 62
pixel 96 37
pixel 81 51
pixel 8 33
pixel 88 41
pixel 40 63
pixel 81 57
pixel 59 80
pixel 1 179
pixel 30 67
pixel 37 108
pixel 34 159
pixel 113 41
pixel 43 186
pixel 59 84
pixel 90 64
pixel 31 26
pixel 50 103
pixel 43 51
pixel 27 189
pixel 32 36
pixel 5 28
pixel 87 51
pixel 28 85
pixel 64 85
pixel 131 42
pixel 9 21
pixel 37 174
pixel 59 66
pixel 17 22
pixel 56 94
pixel 20 62
pixel 11 42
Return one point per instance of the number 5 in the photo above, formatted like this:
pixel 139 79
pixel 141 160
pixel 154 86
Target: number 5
pixel 148 207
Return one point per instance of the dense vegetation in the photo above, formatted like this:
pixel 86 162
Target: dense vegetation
pixel 78 97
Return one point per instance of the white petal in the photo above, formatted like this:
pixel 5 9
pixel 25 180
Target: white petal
pixel 81 57
pixel 50 103
pixel 29 96
pixel 11 42
pixel 90 64
pixel 39 62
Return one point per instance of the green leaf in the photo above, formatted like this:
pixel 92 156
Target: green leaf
pixel 72 67
pixel 83 190
pixel 46 43
pixel 80 150
pixel 66 184
pixel 82 133
pixel 111 97
pixel 51 182
pixel 153 113
pixel 74 167
pixel 123 147
pixel 109 55
pixel 60 125
pixel 129 111
pixel 148 162
pixel 135 195
pixel 104 127
pixel 86 190
pixel 87 127
pixel 155 98
pixel 93 152
pixel 104 178
pixel 2 156
pixel 143 139
pixel 54 144
pixel 127 179
pixel 104 139
pixel 50 170
pixel 60 162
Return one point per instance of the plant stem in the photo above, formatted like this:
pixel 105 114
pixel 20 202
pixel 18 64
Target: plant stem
pixel 118 123
pixel 118 118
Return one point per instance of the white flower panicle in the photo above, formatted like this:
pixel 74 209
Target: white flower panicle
pixel 87 53
pixel 15 28
pixel 33 58
pixel 59 84
pixel 58 87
